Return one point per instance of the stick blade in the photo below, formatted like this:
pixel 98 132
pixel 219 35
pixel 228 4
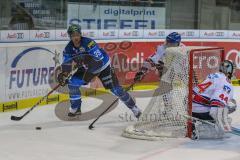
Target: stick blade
pixel 15 118
pixel 90 127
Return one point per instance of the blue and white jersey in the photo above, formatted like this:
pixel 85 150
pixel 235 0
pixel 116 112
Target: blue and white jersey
pixel 87 46
pixel 158 55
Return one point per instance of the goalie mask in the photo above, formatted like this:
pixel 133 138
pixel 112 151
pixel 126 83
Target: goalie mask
pixel 227 68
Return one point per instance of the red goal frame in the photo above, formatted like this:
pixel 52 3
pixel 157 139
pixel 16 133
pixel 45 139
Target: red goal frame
pixel 190 89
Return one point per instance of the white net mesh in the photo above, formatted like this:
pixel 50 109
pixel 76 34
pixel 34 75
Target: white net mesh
pixel 163 117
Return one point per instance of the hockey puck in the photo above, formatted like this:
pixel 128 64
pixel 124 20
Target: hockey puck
pixel 38 128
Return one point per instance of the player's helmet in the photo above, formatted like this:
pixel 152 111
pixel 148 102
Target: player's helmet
pixel 227 68
pixel 74 28
pixel 173 37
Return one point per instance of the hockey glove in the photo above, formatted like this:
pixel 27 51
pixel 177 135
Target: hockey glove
pixel 232 105
pixel 139 75
pixel 62 78
pixel 160 66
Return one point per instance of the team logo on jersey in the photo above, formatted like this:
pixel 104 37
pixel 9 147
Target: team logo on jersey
pixel 227 89
pixel 212 76
pixel 81 49
pixel 78 50
pixel 91 44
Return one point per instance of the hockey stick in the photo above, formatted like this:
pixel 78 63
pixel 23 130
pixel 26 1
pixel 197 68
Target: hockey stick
pixel 235 131
pixel 91 125
pixel 16 118
pixel 197 119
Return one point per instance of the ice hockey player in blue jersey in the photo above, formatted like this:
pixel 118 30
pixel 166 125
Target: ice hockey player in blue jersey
pixel 77 47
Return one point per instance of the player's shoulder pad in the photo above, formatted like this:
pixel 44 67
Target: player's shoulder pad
pixel 160 48
pixel 227 88
pixel 213 76
pixel 67 49
pixel 90 43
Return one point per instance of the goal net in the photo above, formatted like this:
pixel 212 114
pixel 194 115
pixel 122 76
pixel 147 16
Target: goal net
pixel 165 115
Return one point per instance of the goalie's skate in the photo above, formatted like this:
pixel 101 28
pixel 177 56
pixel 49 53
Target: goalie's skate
pixel 195 132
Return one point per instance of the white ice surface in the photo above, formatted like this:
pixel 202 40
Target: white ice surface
pixel 61 140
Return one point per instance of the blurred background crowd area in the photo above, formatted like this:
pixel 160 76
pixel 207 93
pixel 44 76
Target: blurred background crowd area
pixel 173 14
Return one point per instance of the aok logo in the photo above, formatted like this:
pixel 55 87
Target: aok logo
pixel 234 56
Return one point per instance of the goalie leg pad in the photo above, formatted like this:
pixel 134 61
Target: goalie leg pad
pixel 204 130
pixel 207 131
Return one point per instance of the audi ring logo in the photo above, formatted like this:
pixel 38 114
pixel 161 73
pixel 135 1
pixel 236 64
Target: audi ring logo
pixel 234 55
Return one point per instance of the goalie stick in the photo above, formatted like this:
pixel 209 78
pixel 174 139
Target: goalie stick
pixel 197 119
pixel 235 131
pixel 16 118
